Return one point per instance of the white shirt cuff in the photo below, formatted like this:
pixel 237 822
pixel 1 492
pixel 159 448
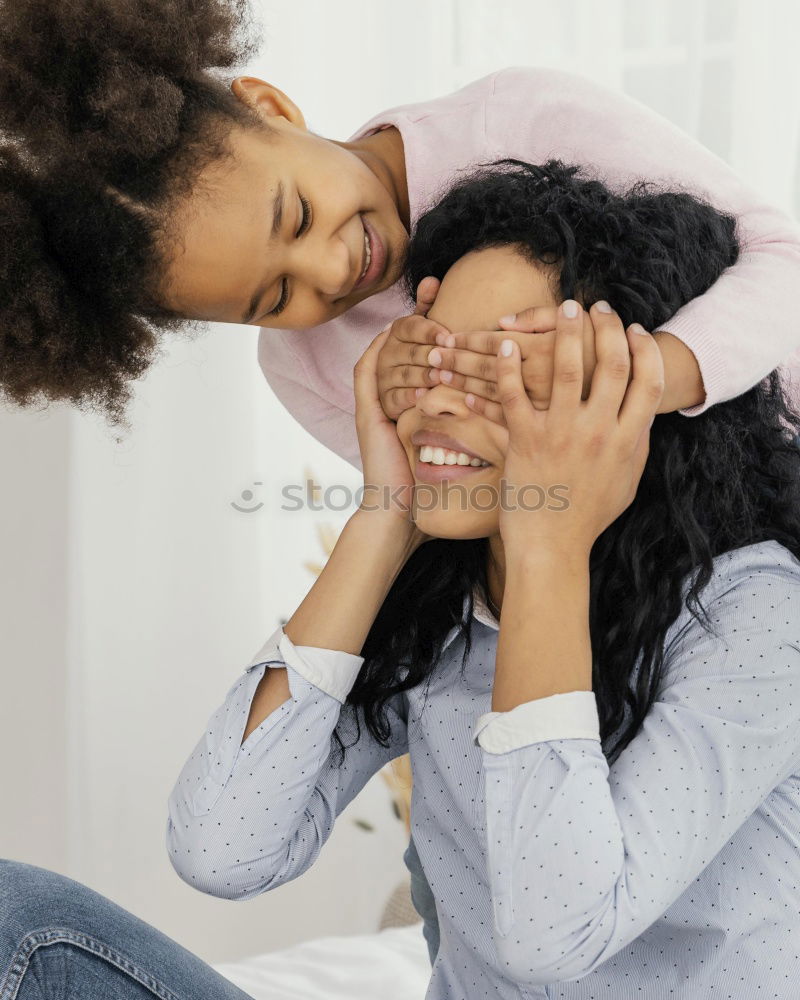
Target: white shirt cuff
pixel 567 716
pixel 331 670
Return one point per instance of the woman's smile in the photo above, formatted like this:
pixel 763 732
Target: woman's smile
pixel 441 457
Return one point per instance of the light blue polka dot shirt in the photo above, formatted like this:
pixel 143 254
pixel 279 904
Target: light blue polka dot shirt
pixel 675 873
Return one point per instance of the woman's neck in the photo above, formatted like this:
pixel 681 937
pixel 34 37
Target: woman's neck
pixel 496 573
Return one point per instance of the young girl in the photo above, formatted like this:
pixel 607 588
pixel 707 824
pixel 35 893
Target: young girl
pixel 587 637
pixel 140 192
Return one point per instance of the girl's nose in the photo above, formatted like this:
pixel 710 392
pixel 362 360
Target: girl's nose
pixel 443 399
pixel 326 269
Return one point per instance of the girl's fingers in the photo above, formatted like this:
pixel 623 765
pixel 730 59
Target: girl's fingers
pixel 427 290
pixel 567 358
pixel 397 401
pixel 405 375
pixel 486 408
pixel 488 341
pixel 466 383
pixel 416 329
pixel 482 366
pixel 646 387
pixel 537 319
pixel 612 372
pixel 511 392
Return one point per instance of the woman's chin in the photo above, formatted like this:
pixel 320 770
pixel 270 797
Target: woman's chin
pixel 440 523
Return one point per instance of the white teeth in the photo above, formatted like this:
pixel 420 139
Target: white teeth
pixel 444 456
pixel 367 255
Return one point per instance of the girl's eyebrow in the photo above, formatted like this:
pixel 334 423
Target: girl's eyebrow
pixel 277 219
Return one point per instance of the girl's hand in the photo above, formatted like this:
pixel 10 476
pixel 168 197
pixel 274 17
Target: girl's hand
pixel 388 481
pixel 467 361
pixel 594 450
pixel 402 362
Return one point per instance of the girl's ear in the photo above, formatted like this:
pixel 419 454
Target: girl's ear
pixel 267 100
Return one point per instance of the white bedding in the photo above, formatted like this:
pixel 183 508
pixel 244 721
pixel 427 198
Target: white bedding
pixel 392 965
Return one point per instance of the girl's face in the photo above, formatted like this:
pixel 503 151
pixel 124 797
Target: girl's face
pixel 460 500
pixel 233 264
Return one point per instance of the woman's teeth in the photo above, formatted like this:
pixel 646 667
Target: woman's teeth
pixel 444 456
pixel 367 254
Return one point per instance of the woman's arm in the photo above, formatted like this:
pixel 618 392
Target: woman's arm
pixel 615 847
pixel 743 326
pixel 244 819
pixel 338 611
pixel 268 748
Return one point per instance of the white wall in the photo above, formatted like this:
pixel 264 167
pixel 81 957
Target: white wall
pixel 132 593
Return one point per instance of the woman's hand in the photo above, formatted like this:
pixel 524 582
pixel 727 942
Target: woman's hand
pixel 594 450
pixel 388 481
pixel 402 363
pixel 467 361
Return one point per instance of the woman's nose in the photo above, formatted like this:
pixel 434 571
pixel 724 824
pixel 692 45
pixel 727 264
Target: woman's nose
pixel 443 399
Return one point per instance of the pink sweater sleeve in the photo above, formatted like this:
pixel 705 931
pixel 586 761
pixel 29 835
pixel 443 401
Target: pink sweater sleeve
pixel 745 324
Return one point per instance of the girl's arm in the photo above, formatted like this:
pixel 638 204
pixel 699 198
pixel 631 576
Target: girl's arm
pixel 744 325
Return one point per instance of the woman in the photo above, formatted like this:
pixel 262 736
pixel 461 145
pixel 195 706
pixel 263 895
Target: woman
pixel 605 779
pixel 118 148
pixel 725 480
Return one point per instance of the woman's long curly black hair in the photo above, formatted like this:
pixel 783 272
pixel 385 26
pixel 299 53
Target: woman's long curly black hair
pixel 726 478
pixel 109 112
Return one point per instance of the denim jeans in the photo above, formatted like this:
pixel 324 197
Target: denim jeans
pixel 421 897
pixel 60 940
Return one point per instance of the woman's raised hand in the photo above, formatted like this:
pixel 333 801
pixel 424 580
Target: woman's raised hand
pixel 388 481
pixel 594 450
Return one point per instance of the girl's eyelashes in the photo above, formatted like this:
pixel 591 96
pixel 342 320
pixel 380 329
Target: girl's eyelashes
pixel 304 226
pixel 306 222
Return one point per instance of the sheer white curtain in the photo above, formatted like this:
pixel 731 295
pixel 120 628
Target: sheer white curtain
pixel 134 592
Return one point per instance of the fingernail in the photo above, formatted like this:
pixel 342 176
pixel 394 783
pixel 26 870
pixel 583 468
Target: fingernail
pixel 637 328
pixel 470 399
pixel 418 392
pixel 446 376
pixel 441 339
pixel 450 340
pixel 602 306
pixel 570 308
pixel 506 348
pixel 435 357
pixel 509 319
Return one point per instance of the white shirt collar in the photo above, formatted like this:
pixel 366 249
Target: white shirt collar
pixel 481 611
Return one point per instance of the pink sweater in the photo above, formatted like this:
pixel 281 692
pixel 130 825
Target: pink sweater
pixel 739 330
